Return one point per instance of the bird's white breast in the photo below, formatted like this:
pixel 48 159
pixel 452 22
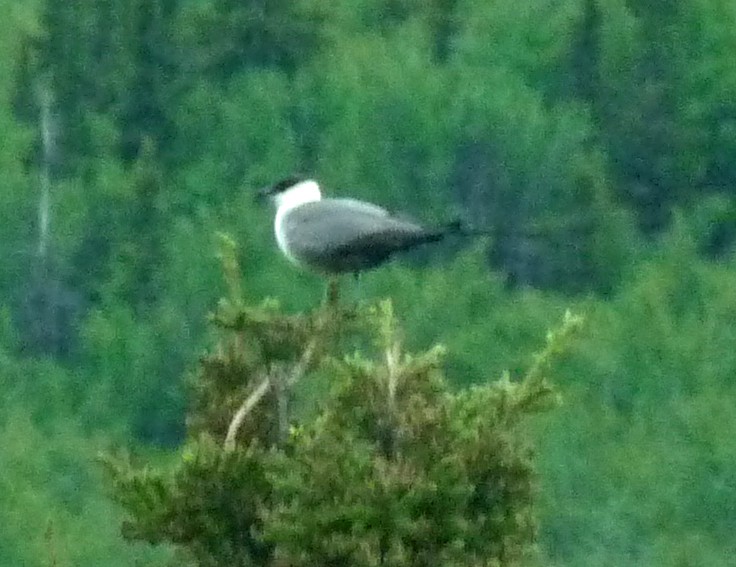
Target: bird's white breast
pixel 279 230
pixel 287 201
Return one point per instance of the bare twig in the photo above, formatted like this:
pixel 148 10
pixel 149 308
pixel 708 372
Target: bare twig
pixel 273 379
pixel 392 361
pixel 301 367
pixel 389 441
pixel 243 411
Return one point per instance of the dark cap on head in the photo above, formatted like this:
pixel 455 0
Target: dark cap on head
pixel 281 185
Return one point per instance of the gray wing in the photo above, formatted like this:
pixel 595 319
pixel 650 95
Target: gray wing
pixel 341 235
pixel 354 205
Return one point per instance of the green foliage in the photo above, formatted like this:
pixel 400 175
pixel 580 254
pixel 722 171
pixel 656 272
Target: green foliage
pixel 391 467
pixel 388 89
pixel 16 210
pixel 564 127
pixel 222 38
pixel 53 503
pixel 646 464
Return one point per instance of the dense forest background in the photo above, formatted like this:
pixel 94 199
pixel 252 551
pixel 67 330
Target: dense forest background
pixel 596 137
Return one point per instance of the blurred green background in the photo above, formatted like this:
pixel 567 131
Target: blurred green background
pixel 597 137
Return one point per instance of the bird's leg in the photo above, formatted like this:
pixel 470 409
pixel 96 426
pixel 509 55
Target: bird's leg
pixel 333 292
pixel 356 275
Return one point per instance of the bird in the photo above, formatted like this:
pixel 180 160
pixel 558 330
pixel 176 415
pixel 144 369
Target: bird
pixel 333 236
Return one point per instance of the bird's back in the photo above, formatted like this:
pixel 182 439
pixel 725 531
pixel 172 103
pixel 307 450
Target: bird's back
pixel 343 235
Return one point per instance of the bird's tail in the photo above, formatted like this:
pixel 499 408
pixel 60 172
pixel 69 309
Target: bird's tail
pixel 456 228
pixel 537 230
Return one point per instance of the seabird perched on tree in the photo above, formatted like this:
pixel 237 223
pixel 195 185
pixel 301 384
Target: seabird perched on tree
pixel 334 236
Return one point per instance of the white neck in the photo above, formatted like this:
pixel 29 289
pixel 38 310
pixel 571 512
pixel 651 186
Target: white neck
pixel 303 192
pixel 286 201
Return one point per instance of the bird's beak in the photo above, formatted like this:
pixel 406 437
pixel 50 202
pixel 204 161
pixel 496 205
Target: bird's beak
pixel 264 194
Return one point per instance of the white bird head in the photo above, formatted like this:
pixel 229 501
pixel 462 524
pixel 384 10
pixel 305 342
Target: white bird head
pixel 292 191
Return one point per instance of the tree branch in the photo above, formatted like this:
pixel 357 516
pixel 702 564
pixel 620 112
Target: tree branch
pixel 262 389
pixel 243 411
